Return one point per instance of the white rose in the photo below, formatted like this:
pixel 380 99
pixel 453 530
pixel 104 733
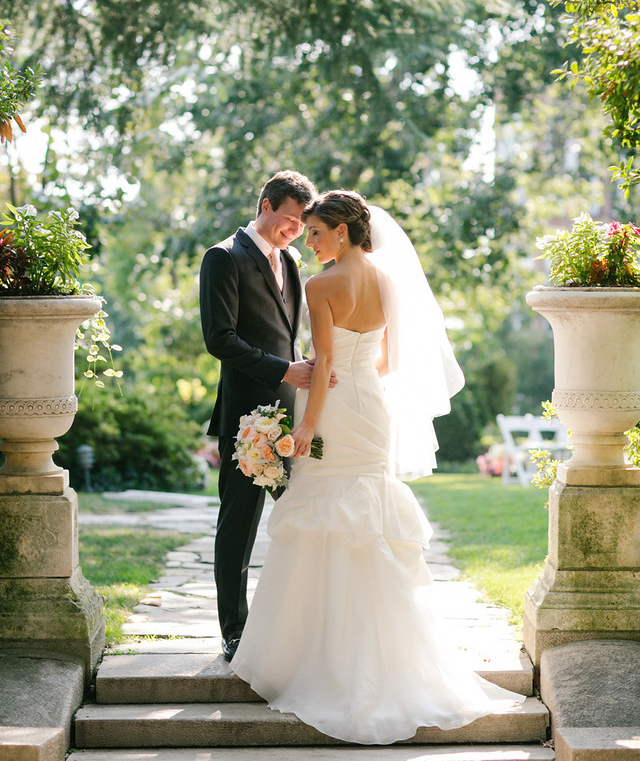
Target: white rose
pixel 263 424
pixel 274 433
pixel 272 472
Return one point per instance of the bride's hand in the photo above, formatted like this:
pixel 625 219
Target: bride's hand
pixel 303 436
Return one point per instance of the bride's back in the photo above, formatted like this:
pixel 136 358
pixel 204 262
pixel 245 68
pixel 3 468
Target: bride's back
pixel 354 295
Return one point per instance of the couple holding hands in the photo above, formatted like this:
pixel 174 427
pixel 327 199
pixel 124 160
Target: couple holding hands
pixel 341 630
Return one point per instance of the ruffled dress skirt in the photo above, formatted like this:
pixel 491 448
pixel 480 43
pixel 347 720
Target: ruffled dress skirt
pixel 341 630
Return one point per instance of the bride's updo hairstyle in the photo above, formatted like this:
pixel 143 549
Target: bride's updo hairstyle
pixel 338 206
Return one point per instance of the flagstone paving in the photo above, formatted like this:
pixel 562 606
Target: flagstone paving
pixel 179 613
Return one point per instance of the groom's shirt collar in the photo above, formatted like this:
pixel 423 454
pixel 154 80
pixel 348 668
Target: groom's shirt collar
pixel 260 242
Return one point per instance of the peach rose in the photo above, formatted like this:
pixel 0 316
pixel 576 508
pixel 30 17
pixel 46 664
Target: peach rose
pixel 285 446
pixel 259 440
pixel 257 468
pixel 267 453
pixel 244 466
pixel 248 433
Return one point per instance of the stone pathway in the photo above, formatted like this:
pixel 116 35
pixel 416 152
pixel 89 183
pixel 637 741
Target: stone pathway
pixel 179 614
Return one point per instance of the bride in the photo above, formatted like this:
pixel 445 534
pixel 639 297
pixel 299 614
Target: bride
pixel 341 631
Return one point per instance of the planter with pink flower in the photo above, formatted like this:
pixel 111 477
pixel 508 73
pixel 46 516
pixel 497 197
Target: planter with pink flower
pixel 590 585
pixel 594 310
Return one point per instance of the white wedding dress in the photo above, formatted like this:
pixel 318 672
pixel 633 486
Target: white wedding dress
pixel 341 631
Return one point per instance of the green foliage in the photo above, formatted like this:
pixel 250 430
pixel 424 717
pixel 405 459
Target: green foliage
pixel 499 534
pixel 608 36
pixel 489 389
pixel 54 249
pixel 187 107
pixel 16 88
pixel 592 253
pixel 141 440
pixel 547 466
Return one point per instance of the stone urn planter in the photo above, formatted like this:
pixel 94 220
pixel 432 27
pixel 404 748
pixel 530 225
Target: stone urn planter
pixel 46 604
pixel 596 335
pixel 590 585
pixel 37 401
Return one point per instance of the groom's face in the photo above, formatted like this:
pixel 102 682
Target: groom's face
pixel 281 226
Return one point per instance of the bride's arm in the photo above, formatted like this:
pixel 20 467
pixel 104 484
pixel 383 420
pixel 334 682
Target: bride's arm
pixel 382 360
pixel 322 332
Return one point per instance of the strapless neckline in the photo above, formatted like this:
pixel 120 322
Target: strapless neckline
pixel 359 332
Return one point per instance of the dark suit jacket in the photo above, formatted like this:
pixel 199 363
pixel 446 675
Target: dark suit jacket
pixel 246 325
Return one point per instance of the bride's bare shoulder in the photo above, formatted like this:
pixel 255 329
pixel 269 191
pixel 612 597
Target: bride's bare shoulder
pixel 324 282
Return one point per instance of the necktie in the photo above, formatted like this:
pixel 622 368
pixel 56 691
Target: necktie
pixel 276 266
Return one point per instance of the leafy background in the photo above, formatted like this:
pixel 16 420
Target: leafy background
pixel 161 120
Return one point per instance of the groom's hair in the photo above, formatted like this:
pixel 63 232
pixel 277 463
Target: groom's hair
pixel 287 184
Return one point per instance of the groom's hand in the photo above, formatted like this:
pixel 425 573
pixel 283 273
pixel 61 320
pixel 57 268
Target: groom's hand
pixel 299 374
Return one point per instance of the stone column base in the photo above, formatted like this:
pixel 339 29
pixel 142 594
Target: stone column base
pixel 46 604
pixel 590 586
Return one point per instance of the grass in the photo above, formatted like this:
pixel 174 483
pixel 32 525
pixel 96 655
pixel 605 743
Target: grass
pixel 498 533
pixel 499 540
pixel 91 502
pixel 121 562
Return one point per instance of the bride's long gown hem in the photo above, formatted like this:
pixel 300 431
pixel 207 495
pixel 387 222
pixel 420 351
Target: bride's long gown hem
pixel 341 631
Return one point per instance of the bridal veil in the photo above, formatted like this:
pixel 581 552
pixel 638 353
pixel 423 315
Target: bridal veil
pixel 423 373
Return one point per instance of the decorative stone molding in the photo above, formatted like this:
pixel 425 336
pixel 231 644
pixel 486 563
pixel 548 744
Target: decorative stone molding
pixel 606 400
pixel 65 405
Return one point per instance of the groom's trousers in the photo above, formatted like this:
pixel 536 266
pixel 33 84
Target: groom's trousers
pixel 241 504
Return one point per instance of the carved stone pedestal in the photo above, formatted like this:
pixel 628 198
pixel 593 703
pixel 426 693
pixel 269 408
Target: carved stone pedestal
pixel 46 604
pixel 590 586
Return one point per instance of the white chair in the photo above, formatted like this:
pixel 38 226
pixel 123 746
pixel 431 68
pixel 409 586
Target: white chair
pixel 522 433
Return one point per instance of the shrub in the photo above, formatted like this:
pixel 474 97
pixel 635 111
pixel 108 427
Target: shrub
pixel 140 441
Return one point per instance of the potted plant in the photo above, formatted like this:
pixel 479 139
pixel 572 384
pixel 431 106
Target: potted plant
pixel 42 304
pixel 593 307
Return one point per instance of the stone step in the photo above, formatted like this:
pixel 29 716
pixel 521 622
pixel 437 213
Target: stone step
pixel 364 753
pixel 181 725
pixel 206 678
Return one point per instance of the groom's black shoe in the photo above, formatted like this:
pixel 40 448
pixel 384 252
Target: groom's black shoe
pixel 229 646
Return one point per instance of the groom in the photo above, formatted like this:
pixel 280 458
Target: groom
pixel 251 305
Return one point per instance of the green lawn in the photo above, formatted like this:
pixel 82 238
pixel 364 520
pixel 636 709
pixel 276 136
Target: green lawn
pixel 498 539
pixel 120 562
pixel 498 533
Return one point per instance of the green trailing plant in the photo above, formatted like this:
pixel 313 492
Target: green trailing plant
pixel 593 254
pixel 548 466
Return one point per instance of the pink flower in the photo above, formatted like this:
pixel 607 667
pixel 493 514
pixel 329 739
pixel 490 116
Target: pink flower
pixel 635 229
pixel 259 441
pixel 613 228
pixel 244 466
pixel 248 433
pixel 285 446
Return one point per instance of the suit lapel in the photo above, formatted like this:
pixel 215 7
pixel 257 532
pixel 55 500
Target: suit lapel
pixel 294 276
pixel 265 268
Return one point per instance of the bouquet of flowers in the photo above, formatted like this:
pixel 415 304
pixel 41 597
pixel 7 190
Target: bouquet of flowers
pixel 264 439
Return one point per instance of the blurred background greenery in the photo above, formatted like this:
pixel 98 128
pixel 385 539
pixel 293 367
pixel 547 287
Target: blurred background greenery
pixel 161 120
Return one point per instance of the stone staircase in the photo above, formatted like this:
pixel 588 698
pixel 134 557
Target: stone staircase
pixel 191 707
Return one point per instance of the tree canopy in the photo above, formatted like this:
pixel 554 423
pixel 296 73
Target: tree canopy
pixel 162 119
